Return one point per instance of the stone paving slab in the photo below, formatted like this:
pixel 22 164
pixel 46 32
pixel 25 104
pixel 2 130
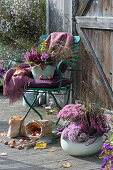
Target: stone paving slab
pixel 32 159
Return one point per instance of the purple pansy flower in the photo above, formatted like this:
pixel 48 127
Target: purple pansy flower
pixel 110 118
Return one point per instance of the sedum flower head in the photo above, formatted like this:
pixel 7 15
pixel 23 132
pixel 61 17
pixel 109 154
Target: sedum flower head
pixel 72 112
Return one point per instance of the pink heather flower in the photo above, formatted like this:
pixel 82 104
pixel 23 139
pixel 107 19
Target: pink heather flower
pixel 74 132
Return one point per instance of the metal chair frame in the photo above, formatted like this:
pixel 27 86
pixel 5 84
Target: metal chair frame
pixel 67 89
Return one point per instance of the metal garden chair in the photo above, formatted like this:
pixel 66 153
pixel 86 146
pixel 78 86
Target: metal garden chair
pixel 56 86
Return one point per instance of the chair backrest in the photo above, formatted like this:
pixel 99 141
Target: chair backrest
pixel 76 40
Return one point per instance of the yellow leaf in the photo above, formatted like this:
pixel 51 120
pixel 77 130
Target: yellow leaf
pixel 66 165
pixel 52 150
pixel 49 111
pixel 40 145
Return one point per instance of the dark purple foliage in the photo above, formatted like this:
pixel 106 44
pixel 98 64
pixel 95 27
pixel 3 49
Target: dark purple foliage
pixel 94 124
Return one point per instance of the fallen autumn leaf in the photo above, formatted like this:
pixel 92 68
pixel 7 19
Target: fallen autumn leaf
pixel 66 165
pixel 40 145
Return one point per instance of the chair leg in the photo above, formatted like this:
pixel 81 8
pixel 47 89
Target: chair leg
pixel 68 98
pixel 55 100
pixel 53 135
pixel 31 107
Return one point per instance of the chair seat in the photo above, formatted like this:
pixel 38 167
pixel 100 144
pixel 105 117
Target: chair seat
pixel 53 83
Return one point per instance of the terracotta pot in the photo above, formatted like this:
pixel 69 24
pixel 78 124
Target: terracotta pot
pixel 39 128
pixel 14 124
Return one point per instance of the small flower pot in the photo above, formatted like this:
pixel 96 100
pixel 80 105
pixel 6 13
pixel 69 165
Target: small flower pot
pixel 40 128
pixel 82 148
pixel 46 73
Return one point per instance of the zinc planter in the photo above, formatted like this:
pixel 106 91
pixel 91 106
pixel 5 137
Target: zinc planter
pixel 82 148
pixel 46 73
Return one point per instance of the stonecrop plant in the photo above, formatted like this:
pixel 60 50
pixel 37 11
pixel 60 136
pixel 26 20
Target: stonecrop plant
pixel 80 124
pixel 107 150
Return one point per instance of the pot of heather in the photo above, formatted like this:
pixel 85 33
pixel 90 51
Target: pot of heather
pixel 82 131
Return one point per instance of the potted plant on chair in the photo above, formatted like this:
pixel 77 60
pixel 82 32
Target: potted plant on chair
pixel 43 62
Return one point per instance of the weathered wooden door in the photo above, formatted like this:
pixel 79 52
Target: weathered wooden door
pixel 94 23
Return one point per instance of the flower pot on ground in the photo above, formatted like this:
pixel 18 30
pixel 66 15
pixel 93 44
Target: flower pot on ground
pixel 82 148
pixel 82 128
pixel 39 128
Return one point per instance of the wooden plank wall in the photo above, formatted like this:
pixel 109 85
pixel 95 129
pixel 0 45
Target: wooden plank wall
pixel 100 36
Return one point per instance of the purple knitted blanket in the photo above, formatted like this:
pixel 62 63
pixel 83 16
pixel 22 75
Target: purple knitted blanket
pixel 14 86
pixel 59 38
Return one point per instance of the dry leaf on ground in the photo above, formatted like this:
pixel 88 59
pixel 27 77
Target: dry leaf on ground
pixel 52 150
pixel 40 145
pixel 3 154
pixel 3 134
pixel 49 112
pixel 66 165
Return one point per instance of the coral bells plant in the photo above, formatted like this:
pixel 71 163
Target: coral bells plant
pixel 79 124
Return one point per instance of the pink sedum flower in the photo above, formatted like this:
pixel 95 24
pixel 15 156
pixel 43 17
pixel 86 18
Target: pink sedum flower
pixel 72 112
